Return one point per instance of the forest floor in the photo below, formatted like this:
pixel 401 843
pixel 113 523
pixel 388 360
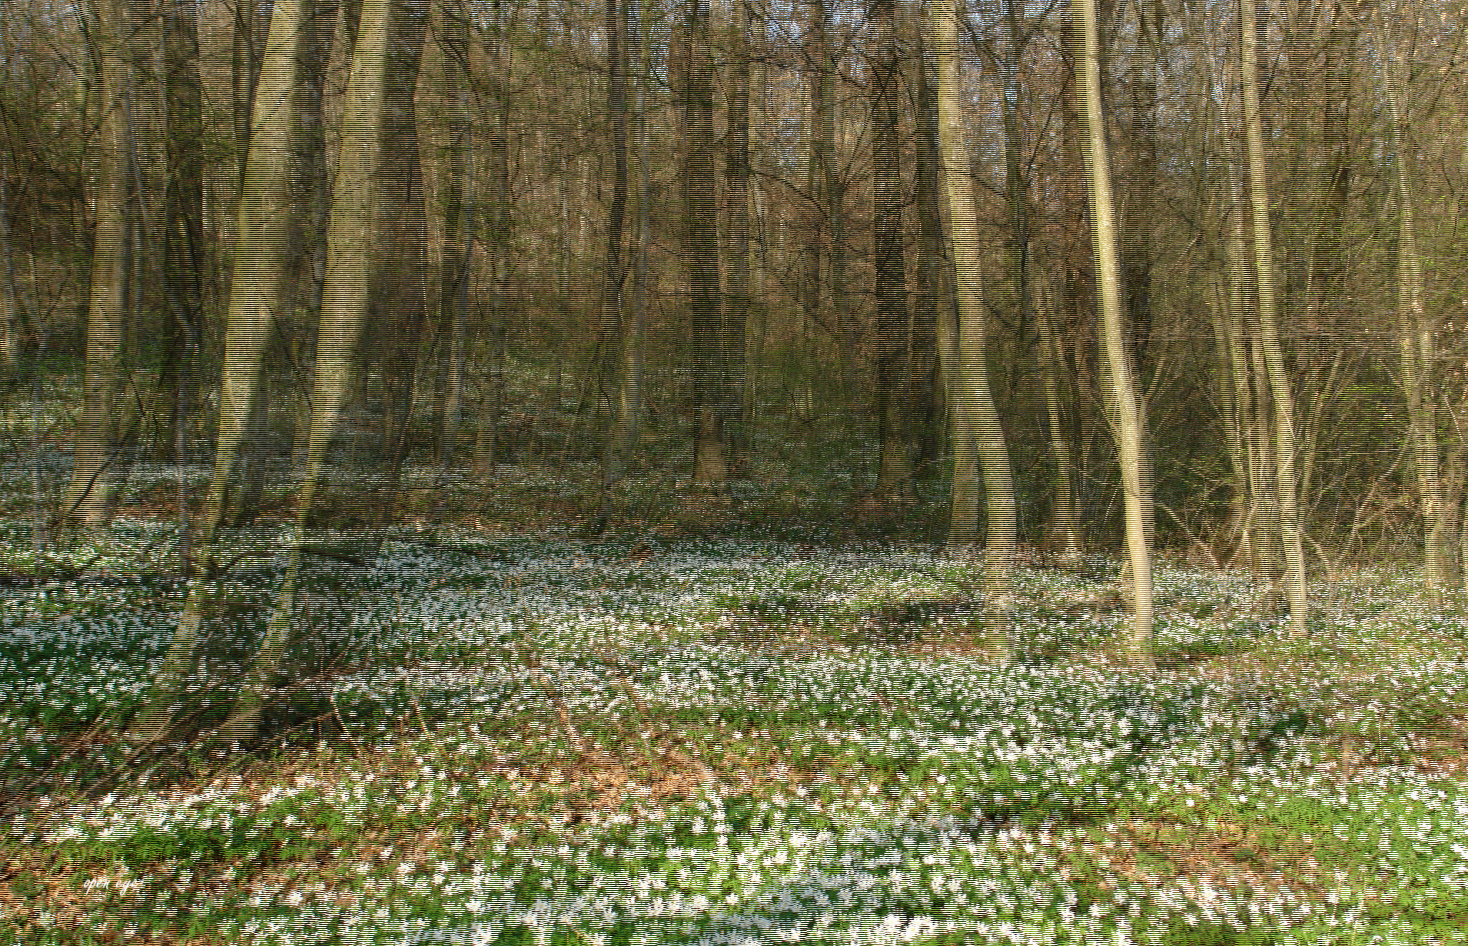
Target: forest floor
pixel 505 729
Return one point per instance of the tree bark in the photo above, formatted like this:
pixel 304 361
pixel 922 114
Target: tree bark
pixel 894 395
pixel 701 255
pixel 1418 338
pixel 614 275
pixel 453 296
pixel 623 440
pixel 346 305
pixel 1279 383
pixel 89 498
pixel 184 247
pixel 978 435
pixel 736 184
pixel 259 292
pixel 1130 441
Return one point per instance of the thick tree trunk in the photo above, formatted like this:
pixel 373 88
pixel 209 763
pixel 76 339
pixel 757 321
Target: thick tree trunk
pixel 978 436
pixel 346 302
pixel 89 497
pixel 1284 405
pixel 1130 440
pixel 258 294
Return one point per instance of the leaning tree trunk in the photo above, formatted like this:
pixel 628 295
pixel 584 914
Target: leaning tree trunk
pixel 1279 382
pixel 978 436
pixel 1130 440
pixel 89 497
pixel 345 306
pixel 258 294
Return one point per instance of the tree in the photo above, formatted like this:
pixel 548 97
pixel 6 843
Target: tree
pixel 701 253
pixel 978 435
pixel 101 429
pixel 1284 442
pixel 388 32
pixel 1128 432
pixel 258 294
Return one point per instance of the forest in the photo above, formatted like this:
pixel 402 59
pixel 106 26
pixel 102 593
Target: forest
pixel 733 471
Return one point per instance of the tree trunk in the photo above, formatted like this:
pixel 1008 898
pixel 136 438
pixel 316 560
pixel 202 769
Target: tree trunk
pixel 894 408
pixel 259 292
pixel 1418 335
pixel 613 276
pixel 701 255
pixel 453 296
pixel 1064 521
pixel 978 436
pixel 89 497
pixel 736 183
pixel 497 148
pixel 1279 383
pixel 346 304
pixel 183 236
pixel 10 329
pixel 623 440
pixel 397 298
pixel 1130 441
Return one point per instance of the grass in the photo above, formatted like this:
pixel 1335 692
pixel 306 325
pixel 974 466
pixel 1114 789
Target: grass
pixel 722 720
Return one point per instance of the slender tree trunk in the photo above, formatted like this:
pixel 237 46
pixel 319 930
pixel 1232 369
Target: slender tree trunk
pixel 453 296
pixel 10 327
pixel 1231 410
pixel 1418 334
pixel 613 276
pixel 1064 521
pixel 184 248
pixel 971 404
pixel 1279 382
pixel 89 497
pixel 736 183
pixel 623 439
pixel 894 408
pixel 345 305
pixel 1130 441
pixel 398 295
pixel 701 255
pixel 497 148
pixel 935 297
pixel 245 75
